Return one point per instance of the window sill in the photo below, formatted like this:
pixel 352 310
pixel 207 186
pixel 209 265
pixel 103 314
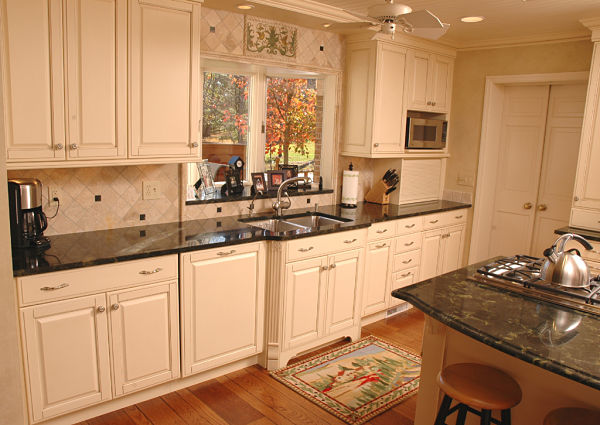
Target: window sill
pixel 246 196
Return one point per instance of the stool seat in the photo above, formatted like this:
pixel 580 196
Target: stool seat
pixel 480 386
pixel 572 415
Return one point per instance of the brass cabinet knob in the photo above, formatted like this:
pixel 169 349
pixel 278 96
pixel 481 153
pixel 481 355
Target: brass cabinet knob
pixel 101 309
pixel 542 207
pixel 195 144
pixel 527 205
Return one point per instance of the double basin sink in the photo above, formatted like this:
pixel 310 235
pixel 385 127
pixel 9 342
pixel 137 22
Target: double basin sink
pixel 295 223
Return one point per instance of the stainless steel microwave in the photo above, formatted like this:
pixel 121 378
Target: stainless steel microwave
pixel 424 133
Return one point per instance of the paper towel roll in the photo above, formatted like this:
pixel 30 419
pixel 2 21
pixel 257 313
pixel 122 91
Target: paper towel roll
pixel 350 188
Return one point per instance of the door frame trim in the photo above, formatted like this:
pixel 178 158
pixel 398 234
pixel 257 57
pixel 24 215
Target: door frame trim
pixel 489 145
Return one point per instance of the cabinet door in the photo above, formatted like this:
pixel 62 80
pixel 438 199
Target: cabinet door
pixel 66 355
pixel 304 301
pixel 375 289
pixel 96 35
pixel 430 254
pixel 145 336
pixel 388 128
pixel 223 306
pixel 418 73
pixel 453 241
pixel 164 78
pixel 33 81
pixel 344 285
pixel 441 83
pixel 400 280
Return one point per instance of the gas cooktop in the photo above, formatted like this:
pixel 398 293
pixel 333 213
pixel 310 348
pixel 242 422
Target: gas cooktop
pixel 521 274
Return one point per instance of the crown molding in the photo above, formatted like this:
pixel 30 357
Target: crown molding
pixel 311 8
pixel 594 25
pixel 499 43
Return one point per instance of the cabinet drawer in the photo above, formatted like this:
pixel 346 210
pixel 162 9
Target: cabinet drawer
pixel 408 242
pixel 456 217
pixel 404 278
pixel 409 225
pixel 320 245
pixel 593 255
pixel 448 218
pixel 406 260
pixel 87 280
pixel 386 229
pixel 585 219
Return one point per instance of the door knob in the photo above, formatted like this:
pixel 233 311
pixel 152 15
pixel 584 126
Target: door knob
pixel 542 207
pixel 527 205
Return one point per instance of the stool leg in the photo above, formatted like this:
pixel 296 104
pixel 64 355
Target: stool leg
pixel 506 417
pixel 443 412
pixel 462 414
pixel 486 417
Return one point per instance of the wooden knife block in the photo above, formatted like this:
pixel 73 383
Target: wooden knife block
pixel 377 194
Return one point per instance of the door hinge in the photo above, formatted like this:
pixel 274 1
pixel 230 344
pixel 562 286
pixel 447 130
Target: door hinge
pixel 262 128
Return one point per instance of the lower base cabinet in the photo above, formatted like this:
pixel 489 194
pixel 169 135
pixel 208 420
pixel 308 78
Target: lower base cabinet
pixel 441 251
pixel 222 315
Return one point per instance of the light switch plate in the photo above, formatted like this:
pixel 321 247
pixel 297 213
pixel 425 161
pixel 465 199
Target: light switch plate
pixel 151 190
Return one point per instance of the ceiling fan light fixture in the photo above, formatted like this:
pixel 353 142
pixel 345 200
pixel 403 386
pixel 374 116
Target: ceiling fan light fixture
pixel 472 19
pixel 389 10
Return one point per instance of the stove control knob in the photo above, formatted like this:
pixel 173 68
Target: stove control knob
pixel 527 205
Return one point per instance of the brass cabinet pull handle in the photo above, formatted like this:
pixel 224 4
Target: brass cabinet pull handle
pixel 458 216
pixel 325 268
pixel 306 249
pixel 542 207
pixel 434 221
pixel 409 226
pixel 376 145
pixel 226 253
pixel 383 245
pixel 54 288
pixel 527 205
pixel 382 230
pixel 156 270
pixel 350 240
pixel 409 244
pixel 333 266
pixel 406 274
pixel 407 262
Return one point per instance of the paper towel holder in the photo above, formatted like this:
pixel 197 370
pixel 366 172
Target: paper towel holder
pixel 349 188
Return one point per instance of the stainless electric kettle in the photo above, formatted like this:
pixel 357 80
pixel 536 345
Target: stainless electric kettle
pixel 566 268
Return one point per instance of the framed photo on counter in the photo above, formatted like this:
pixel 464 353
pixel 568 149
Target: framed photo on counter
pixel 275 178
pixel 258 180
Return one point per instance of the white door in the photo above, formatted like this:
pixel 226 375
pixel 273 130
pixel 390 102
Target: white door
pixel 430 254
pixel 304 301
pixel 344 284
pixel 375 289
pixel 559 163
pixel 68 364
pixel 145 336
pixel 33 82
pixel 441 83
pixel 418 71
pixel 522 142
pixel 96 42
pixel 165 78
pixel 223 306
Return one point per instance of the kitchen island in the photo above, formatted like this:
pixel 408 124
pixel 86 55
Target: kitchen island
pixel 469 321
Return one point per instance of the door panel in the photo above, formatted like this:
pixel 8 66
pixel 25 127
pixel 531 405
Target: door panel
pixel 452 255
pixel 441 84
pixel 375 291
pixel 522 133
pixel 344 282
pixel 430 254
pixel 418 71
pixel 559 164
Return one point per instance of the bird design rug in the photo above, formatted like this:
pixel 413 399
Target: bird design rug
pixel 357 381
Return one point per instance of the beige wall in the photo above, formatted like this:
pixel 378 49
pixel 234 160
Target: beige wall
pixel 470 71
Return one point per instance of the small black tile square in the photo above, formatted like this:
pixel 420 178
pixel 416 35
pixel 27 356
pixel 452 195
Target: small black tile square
pixel 308 200
pixel 218 224
pixel 321 48
pixel 97 198
pixel 142 233
pixel 219 209
pixel 212 29
pixel 142 217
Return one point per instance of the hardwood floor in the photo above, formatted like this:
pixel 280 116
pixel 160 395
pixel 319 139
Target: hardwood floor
pixel 251 397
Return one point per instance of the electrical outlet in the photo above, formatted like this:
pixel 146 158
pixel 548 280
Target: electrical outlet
pixel 53 192
pixel 151 189
pixel 465 179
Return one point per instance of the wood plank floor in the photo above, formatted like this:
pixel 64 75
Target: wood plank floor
pixel 251 397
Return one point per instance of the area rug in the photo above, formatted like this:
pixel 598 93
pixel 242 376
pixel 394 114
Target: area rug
pixel 357 381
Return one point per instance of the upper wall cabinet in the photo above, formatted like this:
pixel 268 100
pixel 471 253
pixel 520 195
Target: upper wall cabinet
pixel 428 81
pixel 165 78
pixel 374 92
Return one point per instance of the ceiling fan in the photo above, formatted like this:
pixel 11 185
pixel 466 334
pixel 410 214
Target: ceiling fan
pixel 391 16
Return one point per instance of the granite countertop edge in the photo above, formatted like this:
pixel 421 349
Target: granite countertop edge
pixel 77 250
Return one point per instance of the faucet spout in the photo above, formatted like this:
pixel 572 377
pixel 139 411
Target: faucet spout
pixel 279 205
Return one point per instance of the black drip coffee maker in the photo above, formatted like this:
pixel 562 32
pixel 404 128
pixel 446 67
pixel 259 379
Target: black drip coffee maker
pixel 27 220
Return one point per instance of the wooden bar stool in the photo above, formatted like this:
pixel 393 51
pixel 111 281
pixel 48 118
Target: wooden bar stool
pixel 475 386
pixel 572 415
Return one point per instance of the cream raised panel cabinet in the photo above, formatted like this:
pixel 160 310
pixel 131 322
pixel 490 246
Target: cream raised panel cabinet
pixel 222 315
pixel 377 276
pixel 428 82
pixel 443 243
pixel 96 333
pixel 164 78
pixel 88 93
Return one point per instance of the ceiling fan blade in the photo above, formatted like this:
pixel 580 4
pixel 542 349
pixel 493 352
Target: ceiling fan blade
pixel 352 25
pixel 429 33
pixel 421 19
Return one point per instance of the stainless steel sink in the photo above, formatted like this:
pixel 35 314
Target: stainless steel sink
pixel 275 225
pixel 314 220
pixel 307 222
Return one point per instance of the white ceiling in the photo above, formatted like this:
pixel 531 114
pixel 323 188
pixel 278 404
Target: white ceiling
pixel 506 20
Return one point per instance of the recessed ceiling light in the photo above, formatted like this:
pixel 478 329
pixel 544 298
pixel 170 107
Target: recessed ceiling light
pixel 326 25
pixel 245 6
pixel 472 19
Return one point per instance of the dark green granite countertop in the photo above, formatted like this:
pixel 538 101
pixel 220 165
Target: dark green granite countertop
pixel 588 234
pixel 514 324
pixel 108 246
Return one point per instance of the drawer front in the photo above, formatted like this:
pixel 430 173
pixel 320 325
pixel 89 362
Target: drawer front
pixel 407 260
pixel 585 219
pixel 322 245
pixel 455 217
pixel 448 218
pixel 409 225
pixel 402 279
pixel 408 242
pixel 386 229
pixel 87 280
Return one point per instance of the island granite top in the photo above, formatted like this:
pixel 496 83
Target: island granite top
pixel 512 323
pixel 85 249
